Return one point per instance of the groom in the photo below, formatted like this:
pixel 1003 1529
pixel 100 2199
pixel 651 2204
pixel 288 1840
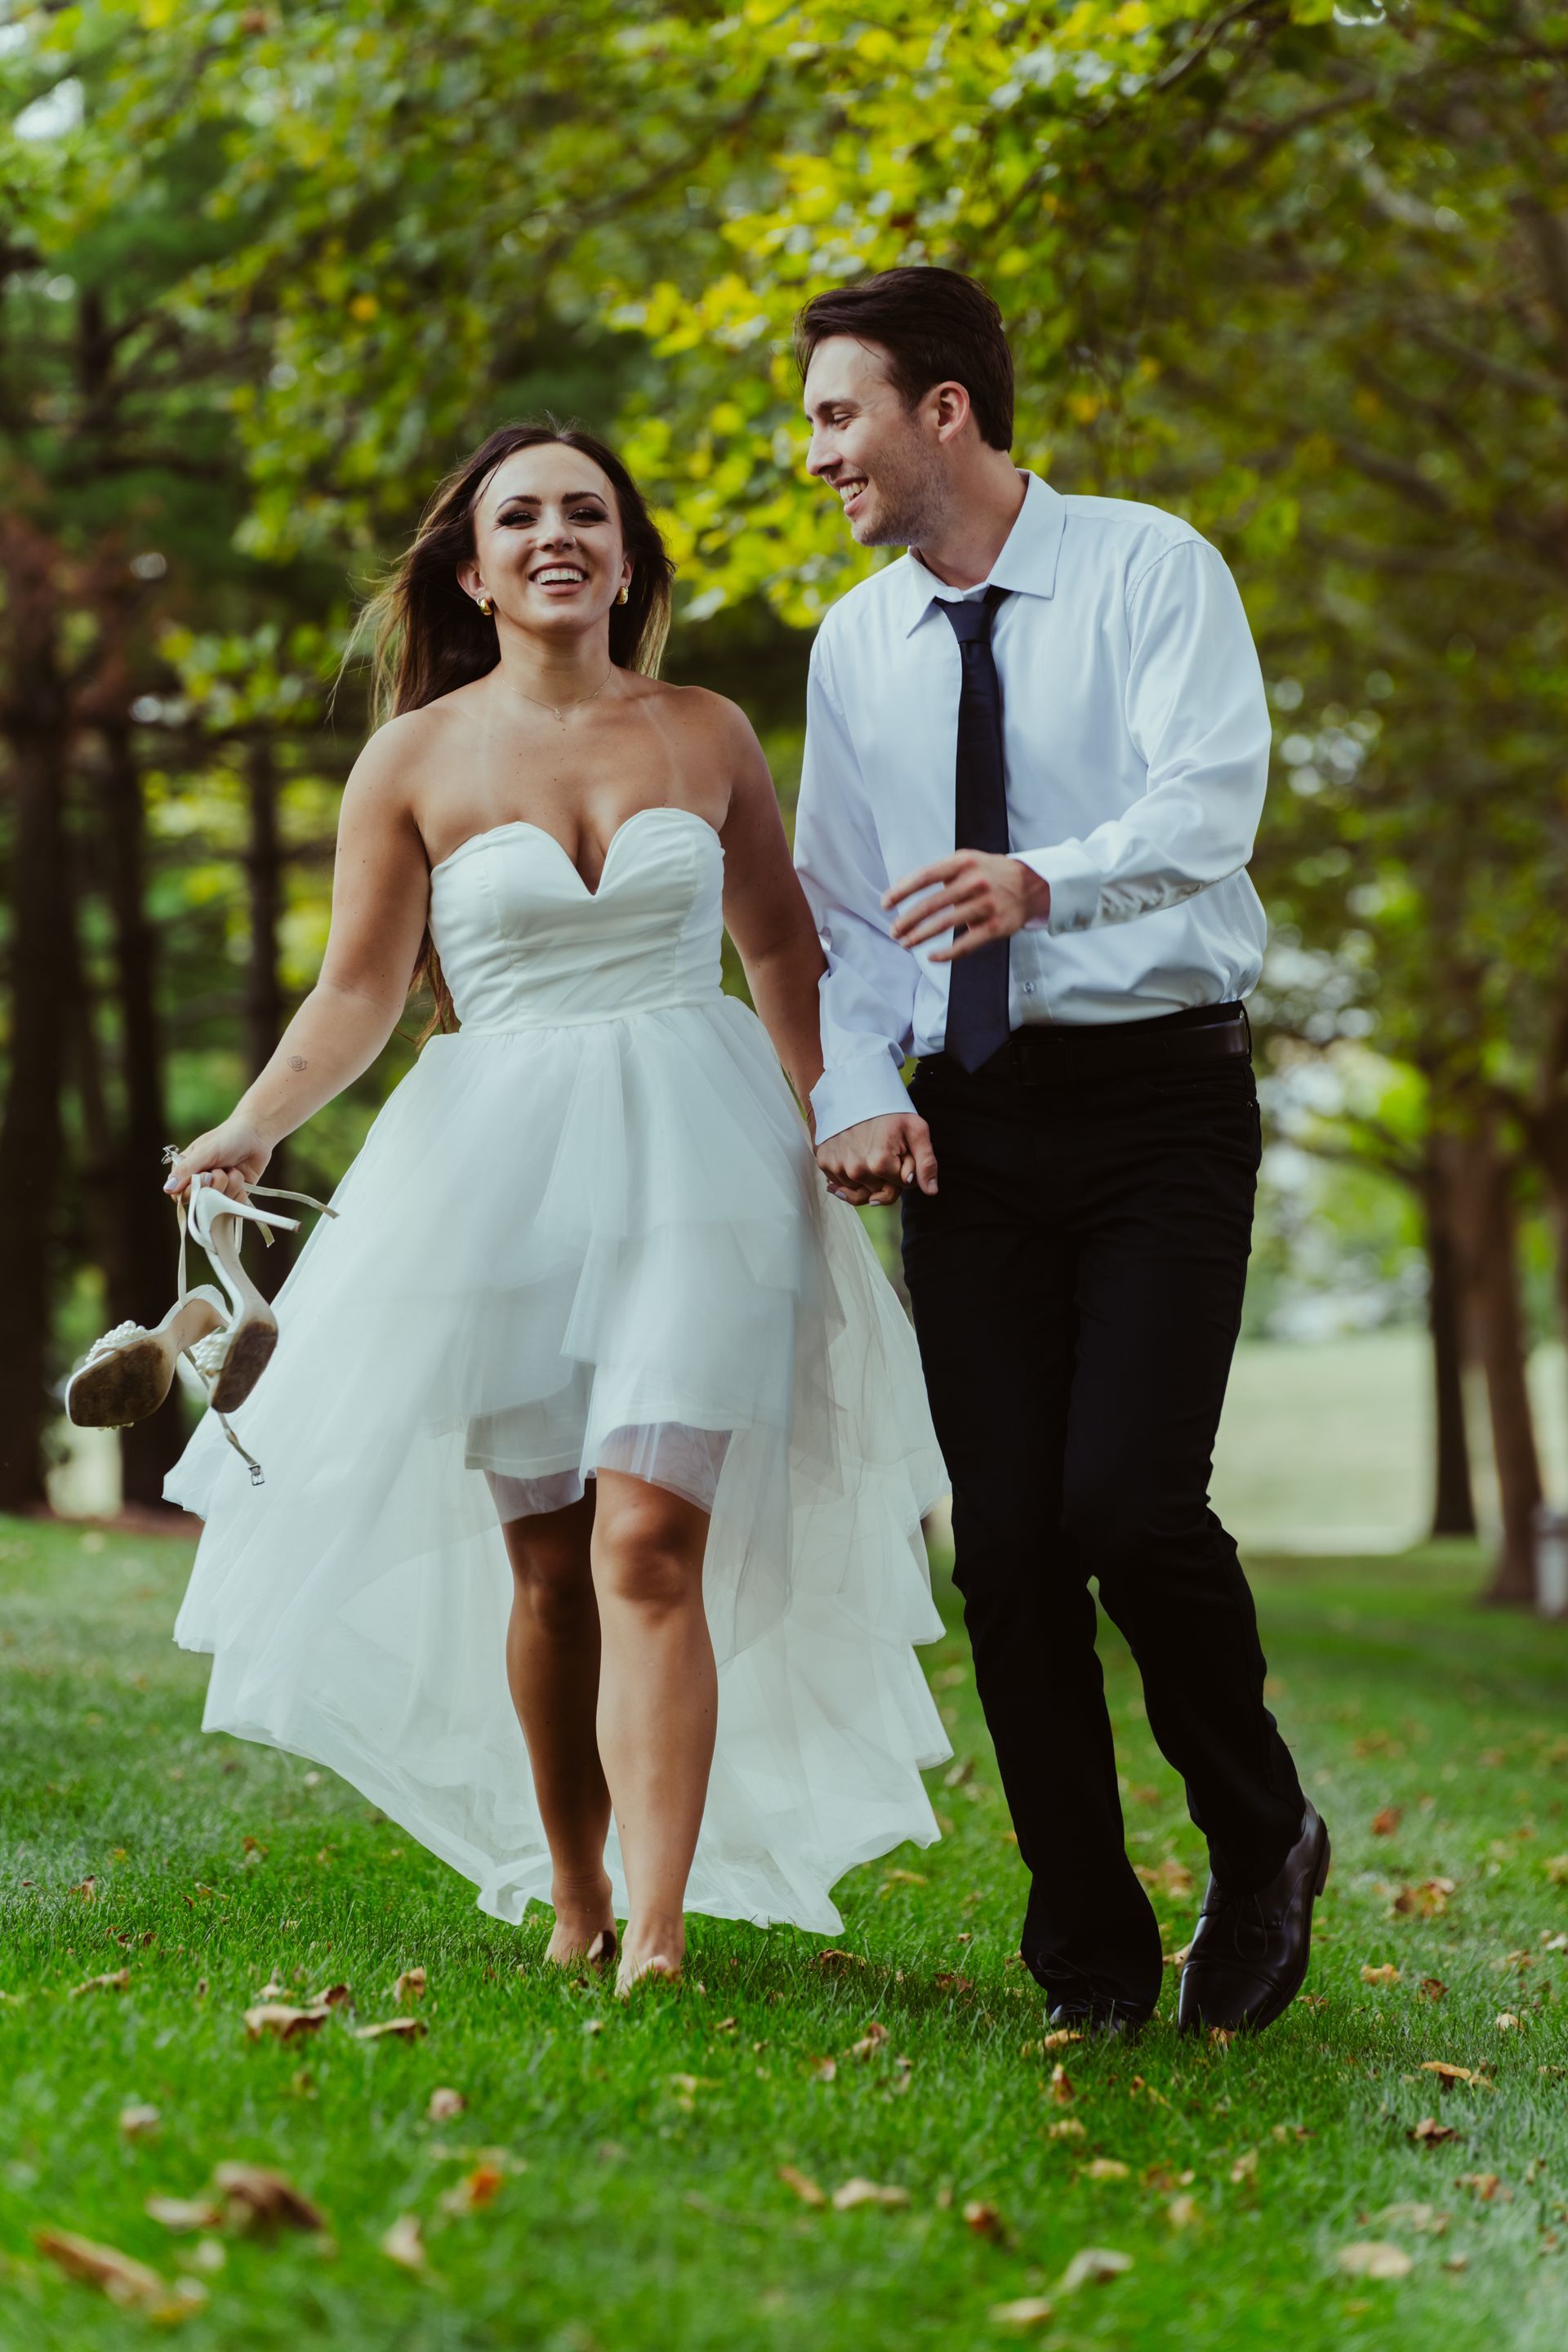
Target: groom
pixel 1036 754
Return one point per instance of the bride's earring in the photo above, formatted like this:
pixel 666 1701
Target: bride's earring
pixel 486 608
pixel 625 586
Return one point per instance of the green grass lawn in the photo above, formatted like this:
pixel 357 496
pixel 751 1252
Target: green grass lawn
pixel 614 2177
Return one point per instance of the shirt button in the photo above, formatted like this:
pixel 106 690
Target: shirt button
pixel 1029 988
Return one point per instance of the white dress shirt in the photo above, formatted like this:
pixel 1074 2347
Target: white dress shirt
pixel 1136 741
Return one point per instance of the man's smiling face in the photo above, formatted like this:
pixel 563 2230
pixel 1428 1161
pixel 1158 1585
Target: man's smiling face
pixel 883 459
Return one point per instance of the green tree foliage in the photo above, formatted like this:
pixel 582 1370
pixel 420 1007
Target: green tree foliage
pixel 1297 270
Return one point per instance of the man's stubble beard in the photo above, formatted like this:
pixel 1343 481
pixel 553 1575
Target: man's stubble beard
pixel 913 503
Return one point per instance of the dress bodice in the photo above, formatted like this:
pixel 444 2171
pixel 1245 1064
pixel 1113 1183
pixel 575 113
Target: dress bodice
pixel 523 941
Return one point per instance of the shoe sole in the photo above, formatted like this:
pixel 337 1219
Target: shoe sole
pixel 132 1383
pixel 249 1354
pixel 1284 1995
pixel 122 1387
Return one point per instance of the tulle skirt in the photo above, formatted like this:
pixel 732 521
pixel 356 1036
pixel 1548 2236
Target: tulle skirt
pixel 605 1244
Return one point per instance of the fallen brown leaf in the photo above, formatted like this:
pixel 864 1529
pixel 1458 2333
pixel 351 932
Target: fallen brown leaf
pixel 139 2122
pixel 835 1962
pixel 867 2192
pixel 822 2070
pixel 410 1986
pixel 1386 1821
pixel 396 2029
pixel 1069 2129
pixel 1426 2218
pixel 1375 2258
pixel 1430 2132
pixel 1104 2167
pixel 984 2220
pixel 804 2187
pixel 477 2189
pixel 281 2018
pixel 404 2245
pixel 1183 2212
pixel 1428 1899
pixel 257 2198
pixel 874 2036
pixel 1060 2038
pixel 116 1981
pixel 120 2277
pixel 1506 2022
pixel 1168 1877
pixel 1245 2167
pixel 1028 2311
pixel 1556 1869
pixel 1093 2267
pixel 1432 1988
pixel 1061 2088
pixel 443 2104
pixel 182 2214
pixel 1487 2187
pixel 1446 2073
pixel 950 1982
pixel 334 1997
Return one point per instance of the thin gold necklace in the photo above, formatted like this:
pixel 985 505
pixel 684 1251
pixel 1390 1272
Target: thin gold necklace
pixel 558 710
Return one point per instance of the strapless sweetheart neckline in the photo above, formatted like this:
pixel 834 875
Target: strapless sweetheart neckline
pixel 526 825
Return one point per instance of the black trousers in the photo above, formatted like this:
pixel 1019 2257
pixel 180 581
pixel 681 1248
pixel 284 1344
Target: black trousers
pixel 1076 1283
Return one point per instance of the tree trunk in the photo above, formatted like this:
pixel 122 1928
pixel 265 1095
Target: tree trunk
pixel 36 721
pixel 146 1230
pixel 1547 1129
pixel 1478 1183
pixel 264 1006
pixel 1453 1499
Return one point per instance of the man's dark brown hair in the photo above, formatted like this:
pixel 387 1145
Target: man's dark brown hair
pixel 935 325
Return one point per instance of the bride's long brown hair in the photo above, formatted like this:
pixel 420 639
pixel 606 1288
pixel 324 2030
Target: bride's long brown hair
pixel 430 635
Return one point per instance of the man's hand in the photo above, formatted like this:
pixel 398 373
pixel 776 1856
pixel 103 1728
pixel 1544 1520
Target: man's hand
pixel 870 1163
pixel 981 896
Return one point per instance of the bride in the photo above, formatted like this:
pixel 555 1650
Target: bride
pixel 590 1413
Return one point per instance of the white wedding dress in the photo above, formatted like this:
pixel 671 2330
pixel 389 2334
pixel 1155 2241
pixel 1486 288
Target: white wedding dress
pixel 585 1229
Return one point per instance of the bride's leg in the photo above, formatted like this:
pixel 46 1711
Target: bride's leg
pixel 659 1700
pixel 552 1667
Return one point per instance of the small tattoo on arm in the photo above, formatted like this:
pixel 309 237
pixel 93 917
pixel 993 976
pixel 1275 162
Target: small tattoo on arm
pixel 297 1062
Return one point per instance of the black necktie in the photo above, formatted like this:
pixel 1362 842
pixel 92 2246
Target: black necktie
pixel 977 1009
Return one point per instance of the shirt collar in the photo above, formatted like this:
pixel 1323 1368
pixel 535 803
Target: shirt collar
pixel 1027 565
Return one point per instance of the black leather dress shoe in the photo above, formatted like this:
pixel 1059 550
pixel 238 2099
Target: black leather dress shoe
pixel 1249 1959
pixel 1093 2017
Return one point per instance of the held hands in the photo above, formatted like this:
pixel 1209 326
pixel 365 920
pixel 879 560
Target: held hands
pixel 979 893
pixel 868 1164
pixel 232 1157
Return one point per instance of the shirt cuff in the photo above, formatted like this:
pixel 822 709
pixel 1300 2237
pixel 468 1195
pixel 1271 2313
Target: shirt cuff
pixel 1074 880
pixel 869 1087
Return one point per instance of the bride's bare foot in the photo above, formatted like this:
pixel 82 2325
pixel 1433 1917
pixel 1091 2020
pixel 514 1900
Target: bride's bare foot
pixel 632 1973
pixel 657 1950
pixel 585 1924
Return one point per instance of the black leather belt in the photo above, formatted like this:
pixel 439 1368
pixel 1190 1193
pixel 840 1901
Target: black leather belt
pixel 1045 1054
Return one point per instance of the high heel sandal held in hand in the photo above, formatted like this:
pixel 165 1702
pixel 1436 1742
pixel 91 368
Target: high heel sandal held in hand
pixel 127 1374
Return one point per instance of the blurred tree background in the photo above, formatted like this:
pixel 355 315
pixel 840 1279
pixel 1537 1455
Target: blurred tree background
pixel 1299 271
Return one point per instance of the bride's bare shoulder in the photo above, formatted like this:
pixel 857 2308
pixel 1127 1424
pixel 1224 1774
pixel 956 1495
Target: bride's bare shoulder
pixel 387 782
pixel 704 716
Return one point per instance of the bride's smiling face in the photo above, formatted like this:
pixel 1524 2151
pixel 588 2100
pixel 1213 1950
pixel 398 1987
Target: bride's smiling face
pixel 548 549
